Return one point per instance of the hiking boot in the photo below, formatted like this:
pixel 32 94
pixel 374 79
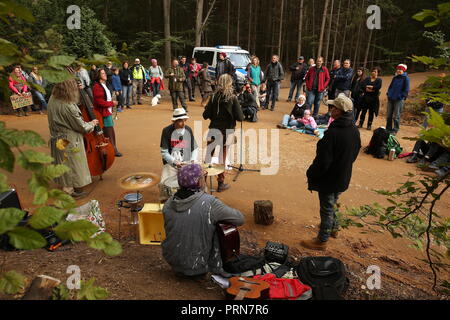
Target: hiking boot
pixel 222 187
pixel 78 194
pixel 314 244
pixel 413 158
pixel 281 126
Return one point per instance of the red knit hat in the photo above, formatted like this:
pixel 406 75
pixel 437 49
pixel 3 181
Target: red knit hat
pixel 402 67
pixel 223 53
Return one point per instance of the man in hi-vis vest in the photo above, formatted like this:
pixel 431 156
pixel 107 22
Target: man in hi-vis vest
pixel 137 79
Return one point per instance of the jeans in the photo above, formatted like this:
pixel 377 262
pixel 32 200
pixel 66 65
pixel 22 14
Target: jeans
pixel 328 218
pixel 255 90
pixel 137 90
pixel 394 109
pixel 126 93
pixel 273 89
pixel 187 85
pixel 314 97
pixel 346 92
pixel 40 99
pixel 294 84
pixel 178 95
pixel 156 86
pixel 288 122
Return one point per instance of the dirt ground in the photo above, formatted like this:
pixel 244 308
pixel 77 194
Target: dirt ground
pixel 140 271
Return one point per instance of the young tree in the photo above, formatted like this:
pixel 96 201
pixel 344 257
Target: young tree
pixel 322 29
pixel 168 49
pixel 300 29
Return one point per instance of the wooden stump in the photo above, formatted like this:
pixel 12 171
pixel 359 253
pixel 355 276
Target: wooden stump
pixel 263 212
pixel 41 288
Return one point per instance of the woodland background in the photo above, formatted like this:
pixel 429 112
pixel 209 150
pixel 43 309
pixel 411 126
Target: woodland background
pixel 143 28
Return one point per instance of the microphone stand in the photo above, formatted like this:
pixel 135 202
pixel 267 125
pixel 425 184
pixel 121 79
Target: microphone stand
pixel 241 166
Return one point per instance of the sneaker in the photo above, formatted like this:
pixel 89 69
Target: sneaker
pixel 78 195
pixel 317 132
pixel 118 154
pixel 222 187
pixel 314 244
pixel 281 126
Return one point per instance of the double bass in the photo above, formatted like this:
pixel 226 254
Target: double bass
pixel 99 150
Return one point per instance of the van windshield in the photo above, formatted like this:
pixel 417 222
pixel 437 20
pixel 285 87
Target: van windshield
pixel 239 60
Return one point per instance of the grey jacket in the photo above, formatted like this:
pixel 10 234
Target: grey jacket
pixel 274 73
pixel 191 246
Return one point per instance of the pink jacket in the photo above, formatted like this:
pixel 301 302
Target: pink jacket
pixel 330 121
pixel 309 121
pixel 13 82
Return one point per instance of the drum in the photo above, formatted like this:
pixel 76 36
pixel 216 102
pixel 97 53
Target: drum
pixel 169 183
pixel 135 201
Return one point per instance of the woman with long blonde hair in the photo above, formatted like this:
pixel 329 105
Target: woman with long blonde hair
pixel 67 129
pixel 255 77
pixel 223 109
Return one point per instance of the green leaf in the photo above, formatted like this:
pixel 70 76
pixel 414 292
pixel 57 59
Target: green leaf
pixel 37 157
pixel 11 282
pixel 10 218
pixel 40 196
pixel 55 76
pixel 60 61
pixel 54 171
pixel 113 248
pixel 6 157
pixel 45 217
pixel 80 230
pixel 90 292
pixel 63 200
pixel 3 183
pixel 105 242
pixel 26 239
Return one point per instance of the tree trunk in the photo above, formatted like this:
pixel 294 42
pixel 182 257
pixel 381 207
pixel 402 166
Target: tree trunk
pixel 198 23
pixel 329 32
pixel 263 212
pixel 367 49
pixel 238 20
pixel 168 49
pixel 335 32
pixel 281 28
pixel 300 29
pixel 322 28
pixel 250 25
pixel 345 31
pixel 228 22
pixel 150 16
pixel 358 39
pixel 41 288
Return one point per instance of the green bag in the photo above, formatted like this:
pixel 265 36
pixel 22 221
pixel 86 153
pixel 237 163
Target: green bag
pixel 393 143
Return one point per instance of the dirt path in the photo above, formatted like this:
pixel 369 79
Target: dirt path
pixel 141 273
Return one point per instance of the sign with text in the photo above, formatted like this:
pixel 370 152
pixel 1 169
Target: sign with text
pixel 21 101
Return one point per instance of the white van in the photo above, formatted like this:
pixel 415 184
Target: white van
pixel 239 57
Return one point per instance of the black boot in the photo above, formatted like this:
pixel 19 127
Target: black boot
pixel 413 158
pixel 223 186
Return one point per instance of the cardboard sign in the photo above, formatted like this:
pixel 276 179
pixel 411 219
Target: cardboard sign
pixel 21 101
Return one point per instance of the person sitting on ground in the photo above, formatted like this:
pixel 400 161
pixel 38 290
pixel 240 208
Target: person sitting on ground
pixel 262 95
pixel 248 104
pixel 191 246
pixel 292 119
pixel 18 85
pixel 37 79
pixel 309 123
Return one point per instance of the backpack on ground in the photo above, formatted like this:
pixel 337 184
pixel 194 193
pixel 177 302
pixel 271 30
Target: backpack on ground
pixel 245 265
pixel 392 143
pixel 325 275
pixel 378 143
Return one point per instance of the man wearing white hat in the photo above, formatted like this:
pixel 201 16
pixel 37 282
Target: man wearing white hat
pixel 331 171
pixel 177 146
pixel 397 93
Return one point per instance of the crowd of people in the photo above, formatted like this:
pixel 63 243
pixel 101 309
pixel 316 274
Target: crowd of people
pixel 190 246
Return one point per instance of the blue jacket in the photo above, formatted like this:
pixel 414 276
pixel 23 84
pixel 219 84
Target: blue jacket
pixel 399 87
pixel 116 83
pixel 343 79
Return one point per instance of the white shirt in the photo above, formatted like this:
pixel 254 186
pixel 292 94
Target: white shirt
pixel 108 95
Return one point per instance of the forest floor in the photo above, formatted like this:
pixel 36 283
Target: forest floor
pixel 140 272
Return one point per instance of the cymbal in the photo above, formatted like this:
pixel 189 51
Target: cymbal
pixel 138 181
pixel 213 169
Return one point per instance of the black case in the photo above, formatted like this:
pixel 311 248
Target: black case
pixel 326 276
pixel 276 252
pixel 10 199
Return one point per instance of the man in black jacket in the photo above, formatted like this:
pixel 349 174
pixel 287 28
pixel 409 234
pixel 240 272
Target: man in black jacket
pixel 224 66
pixel 274 75
pixel 343 79
pixel 331 170
pixel 298 72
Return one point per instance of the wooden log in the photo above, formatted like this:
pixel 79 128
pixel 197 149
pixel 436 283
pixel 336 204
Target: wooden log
pixel 41 288
pixel 263 212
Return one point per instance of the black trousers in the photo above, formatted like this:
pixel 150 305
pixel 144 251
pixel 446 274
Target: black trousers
pixel 178 95
pixel 367 105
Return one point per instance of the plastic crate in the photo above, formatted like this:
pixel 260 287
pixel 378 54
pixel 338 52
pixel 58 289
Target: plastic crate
pixel 151 224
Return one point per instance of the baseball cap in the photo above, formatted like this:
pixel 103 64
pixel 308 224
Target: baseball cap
pixel 342 102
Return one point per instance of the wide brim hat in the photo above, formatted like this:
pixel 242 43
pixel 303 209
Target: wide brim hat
pixel 179 113
pixel 342 102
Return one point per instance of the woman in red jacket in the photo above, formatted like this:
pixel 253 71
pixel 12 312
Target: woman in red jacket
pixel 104 104
pixel 18 85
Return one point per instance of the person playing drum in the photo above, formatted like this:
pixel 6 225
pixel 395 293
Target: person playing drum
pixel 178 147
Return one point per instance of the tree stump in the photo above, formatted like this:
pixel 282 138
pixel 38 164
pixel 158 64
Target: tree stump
pixel 41 288
pixel 263 212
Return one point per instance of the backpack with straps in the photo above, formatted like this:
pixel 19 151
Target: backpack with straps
pixel 378 143
pixel 392 143
pixel 325 275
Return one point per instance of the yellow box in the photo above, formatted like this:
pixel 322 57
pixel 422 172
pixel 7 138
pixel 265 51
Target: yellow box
pixel 151 224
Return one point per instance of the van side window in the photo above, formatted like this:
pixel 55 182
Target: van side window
pixel 202 56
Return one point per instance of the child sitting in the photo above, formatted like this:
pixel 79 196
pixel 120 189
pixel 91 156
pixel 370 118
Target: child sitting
pixel 309 122
pixel 262 96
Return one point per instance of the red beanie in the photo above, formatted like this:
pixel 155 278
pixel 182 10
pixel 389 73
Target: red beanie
pixel 402 67
pixel 224 54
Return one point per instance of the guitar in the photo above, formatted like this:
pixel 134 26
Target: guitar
pixel 248 288
pixel 229 241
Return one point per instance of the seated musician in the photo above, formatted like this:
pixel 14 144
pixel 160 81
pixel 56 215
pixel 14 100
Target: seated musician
pixel 191 246
pixel 178 147
pixel 248 104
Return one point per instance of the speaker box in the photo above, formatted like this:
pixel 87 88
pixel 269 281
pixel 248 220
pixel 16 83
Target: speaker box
pixel 10 199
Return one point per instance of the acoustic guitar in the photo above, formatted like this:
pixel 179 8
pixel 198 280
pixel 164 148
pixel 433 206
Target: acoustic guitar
pixel 229 241
pixel 247 288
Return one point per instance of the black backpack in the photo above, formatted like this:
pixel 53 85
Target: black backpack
pixel 244 263
pixel 378 143
pixel 325 275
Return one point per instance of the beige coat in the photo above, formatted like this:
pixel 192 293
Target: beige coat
pixel 65 122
